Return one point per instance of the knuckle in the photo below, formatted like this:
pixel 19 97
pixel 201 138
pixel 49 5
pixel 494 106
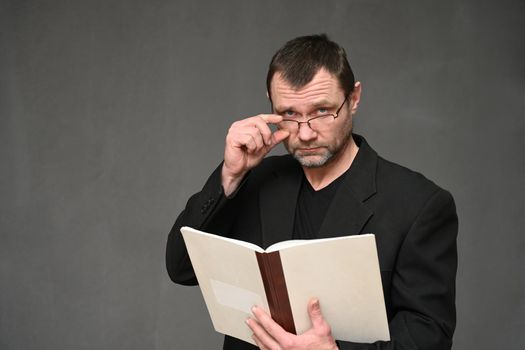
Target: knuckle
pixel 232 131
pixel 325 329
pixel 288 343
pixel 235 124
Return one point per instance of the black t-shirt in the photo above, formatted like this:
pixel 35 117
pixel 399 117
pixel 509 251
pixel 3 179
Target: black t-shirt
pixel 312 207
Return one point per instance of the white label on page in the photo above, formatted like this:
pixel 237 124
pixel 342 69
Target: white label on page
pixel 235 297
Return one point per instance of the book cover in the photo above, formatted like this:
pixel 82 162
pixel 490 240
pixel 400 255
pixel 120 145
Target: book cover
pixel 343 272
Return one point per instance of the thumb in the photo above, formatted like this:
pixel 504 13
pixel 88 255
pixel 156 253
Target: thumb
pixel 279 136
pixel 314 311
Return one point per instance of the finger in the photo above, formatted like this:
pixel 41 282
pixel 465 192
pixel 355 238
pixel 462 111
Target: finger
pixel 272 328
pixel 264 129
pixel 261 123
pixel 279 136
pixel 249 138
pixel 316 316
pixel 271 118
pixel 244 140
pixel 259 343
pixel 261 337
pixel 259 129
pixel 257 139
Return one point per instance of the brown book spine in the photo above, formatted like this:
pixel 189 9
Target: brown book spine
pixel 275 287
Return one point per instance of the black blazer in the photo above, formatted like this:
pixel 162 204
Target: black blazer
pixel 414 221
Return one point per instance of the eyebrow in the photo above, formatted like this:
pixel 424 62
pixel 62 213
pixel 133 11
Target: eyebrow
pixel 320 103
pixel 323 103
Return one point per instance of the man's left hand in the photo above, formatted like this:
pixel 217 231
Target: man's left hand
pixel 270 336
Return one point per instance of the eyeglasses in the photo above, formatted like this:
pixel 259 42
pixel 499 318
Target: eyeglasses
pixel 318 123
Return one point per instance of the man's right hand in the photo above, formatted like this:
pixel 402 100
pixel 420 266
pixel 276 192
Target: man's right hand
pixel 247 143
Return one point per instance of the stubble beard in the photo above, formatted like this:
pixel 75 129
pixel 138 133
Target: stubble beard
pixel 329 153
pixel 316 161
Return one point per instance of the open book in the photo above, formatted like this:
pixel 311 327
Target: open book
pixel 342 272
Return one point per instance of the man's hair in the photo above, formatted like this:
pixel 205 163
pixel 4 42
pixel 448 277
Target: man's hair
pixel 301 58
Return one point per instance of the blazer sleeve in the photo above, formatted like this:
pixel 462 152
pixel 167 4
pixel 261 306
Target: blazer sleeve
pixel 423 282
pixel 200 213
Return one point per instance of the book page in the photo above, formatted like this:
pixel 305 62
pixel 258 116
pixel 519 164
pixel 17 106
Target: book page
pixel 229 279
pixel 296 242
pixel 283 244
pixel 248 245
pixel 344 274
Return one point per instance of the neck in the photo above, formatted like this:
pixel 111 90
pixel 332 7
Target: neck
pixel 323 176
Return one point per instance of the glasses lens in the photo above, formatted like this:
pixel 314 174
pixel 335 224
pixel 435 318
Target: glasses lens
pixel 322 122
pixel 289 125
pixel 319 123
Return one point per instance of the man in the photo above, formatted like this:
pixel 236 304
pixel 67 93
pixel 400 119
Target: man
pixel 331 183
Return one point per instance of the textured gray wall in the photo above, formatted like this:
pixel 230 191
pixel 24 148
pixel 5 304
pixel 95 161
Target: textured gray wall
pixel 113 112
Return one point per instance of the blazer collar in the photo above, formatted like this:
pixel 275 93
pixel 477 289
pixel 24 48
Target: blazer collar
pixel 347 214
pixel 361 176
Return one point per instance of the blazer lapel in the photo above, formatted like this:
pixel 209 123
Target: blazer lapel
pixel 277 204
pixel 346 215
pixel 348 212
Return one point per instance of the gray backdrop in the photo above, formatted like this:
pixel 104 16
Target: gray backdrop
pixel 113 112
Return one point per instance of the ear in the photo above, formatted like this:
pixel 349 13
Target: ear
pixel 270 100
pixel 356 97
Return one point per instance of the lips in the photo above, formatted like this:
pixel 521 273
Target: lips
pixel 310 150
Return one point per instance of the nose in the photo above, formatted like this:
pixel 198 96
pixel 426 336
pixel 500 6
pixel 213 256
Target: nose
pixel 305 133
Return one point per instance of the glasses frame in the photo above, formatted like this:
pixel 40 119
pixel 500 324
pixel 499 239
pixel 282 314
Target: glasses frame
pixel 335 115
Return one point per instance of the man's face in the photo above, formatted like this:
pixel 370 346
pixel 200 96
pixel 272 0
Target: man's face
pixel 322 95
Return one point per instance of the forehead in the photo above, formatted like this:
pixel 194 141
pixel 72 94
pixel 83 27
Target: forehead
pixel 323 87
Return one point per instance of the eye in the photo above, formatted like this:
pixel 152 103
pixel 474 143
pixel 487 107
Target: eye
pixel 322 111
pixel 289 114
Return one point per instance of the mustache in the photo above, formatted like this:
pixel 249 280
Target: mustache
pixel 304 145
